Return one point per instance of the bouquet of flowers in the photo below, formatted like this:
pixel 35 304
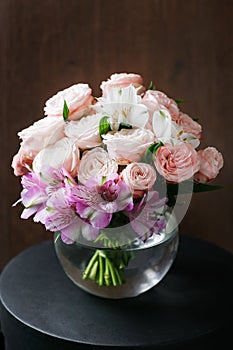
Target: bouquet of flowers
pixel 94 165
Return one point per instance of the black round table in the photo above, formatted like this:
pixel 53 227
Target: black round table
pixel 191 308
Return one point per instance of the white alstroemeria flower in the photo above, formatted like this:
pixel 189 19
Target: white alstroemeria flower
pixel 123 105
pixel 185 137
pixel 169 131
pixel 162 125
pixel 179 136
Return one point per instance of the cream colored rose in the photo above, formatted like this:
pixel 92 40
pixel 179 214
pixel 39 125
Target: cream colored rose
pixel 64 153
pixel 139 177
pixel 85 131
pixel 42 133
pixel 78 98
pixel 128 144
pixel 96 162
pixel 121 80
pixel 211 161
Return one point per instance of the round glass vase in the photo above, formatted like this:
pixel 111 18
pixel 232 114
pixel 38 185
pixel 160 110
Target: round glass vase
pixel 147 263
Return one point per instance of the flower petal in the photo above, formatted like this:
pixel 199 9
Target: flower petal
pixel 100 219
pixel 27 212
pixel 162 125
pixel 89 232
pixel 70 233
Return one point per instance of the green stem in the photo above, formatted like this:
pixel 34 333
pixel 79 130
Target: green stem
pixel 107 267
pixel 112 273
pixel 106 274
pixel 94 270
pixel 101 272
pixel 87 271
pixel 118 274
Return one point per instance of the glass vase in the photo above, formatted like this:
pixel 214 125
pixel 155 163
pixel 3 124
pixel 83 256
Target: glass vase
pixel 145 264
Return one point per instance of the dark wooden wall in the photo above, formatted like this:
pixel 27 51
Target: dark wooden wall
pixel 185 47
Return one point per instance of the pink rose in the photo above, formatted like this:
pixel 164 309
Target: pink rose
pixel 139 177
pixel 156 100
pixel 189 125
pixel 63 153
pixel 177 163
pixel 122 80
pixel 42 133
pixel 96 162
pixel 211 161
pixel 22 162
pixel 128 144
pixel 78 98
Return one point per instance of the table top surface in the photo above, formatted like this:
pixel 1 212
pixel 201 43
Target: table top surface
pixel 194 298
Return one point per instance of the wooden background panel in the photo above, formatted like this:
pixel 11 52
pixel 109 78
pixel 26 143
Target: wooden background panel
pixel 185 47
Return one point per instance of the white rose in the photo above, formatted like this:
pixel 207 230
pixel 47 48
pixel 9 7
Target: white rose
pixel 63 153
pixel 42 133
pixel 139 177
pixel 85 131
pixel 96 162
pixel 78 98
pixel 129 144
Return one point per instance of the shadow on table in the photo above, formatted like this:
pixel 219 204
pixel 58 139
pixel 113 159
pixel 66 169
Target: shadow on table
pixel 1 341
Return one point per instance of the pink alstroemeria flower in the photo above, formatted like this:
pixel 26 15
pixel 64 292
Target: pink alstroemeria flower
pixel 58 178
pixel 147 216
pixel 100 198
pixel 59 215
pixel 36 190
pixel 33 195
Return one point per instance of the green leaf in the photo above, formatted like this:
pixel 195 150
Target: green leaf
pixel 104 126
pixel 182 188
pixel 179 101
pixel 151 151
pixel 154 148
pixel 151 86
pixel 66 111
pixel 199 187
pixel 196 119
pixel 189 186
pixel 124 126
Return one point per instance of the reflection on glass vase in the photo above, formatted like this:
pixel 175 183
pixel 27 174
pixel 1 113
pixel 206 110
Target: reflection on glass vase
pixel 120 272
